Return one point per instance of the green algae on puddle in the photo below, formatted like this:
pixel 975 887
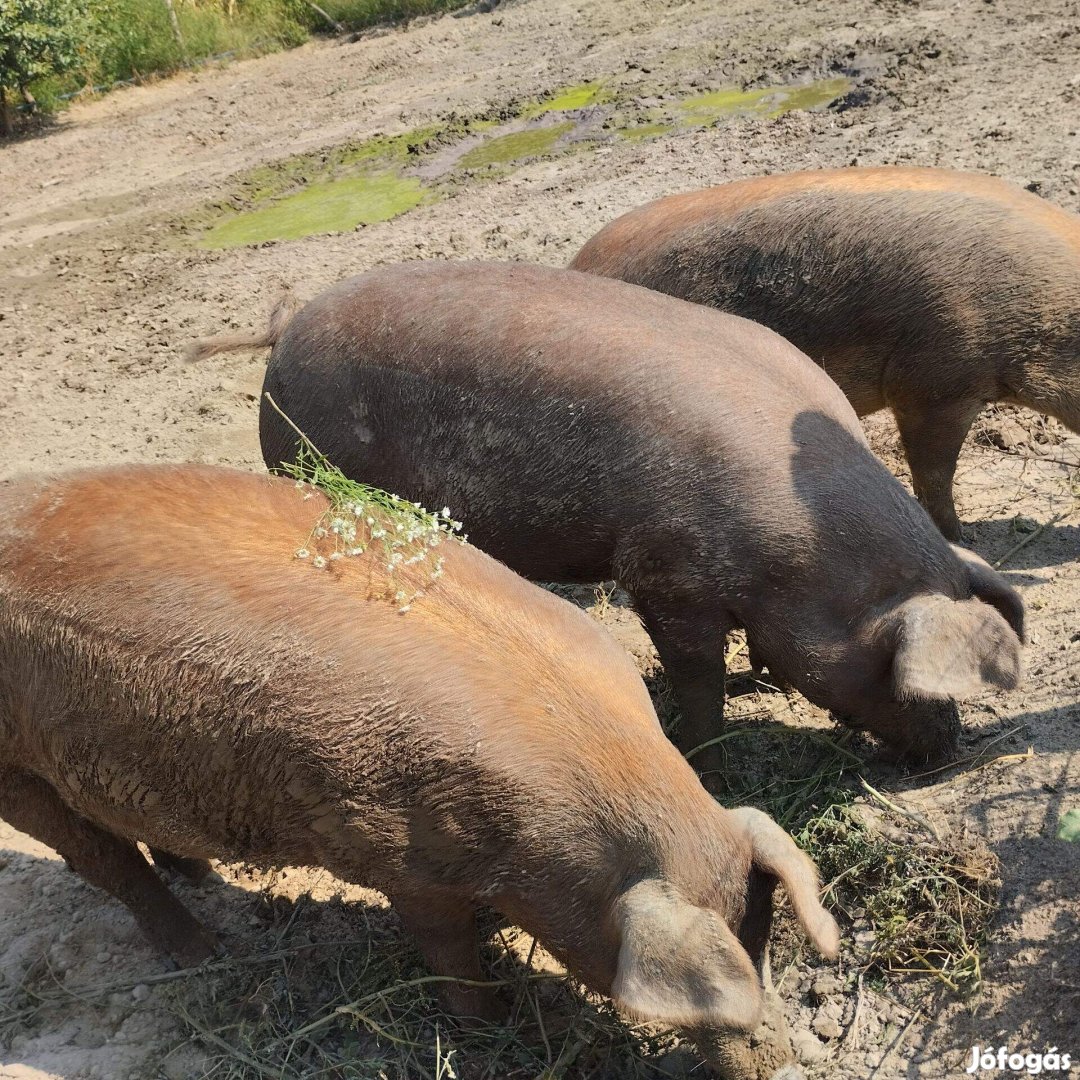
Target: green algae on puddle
pixel 569 98
pixel 637 132
pixel 385 151
pixel 335 206
pixel 766 101
pixel 518 145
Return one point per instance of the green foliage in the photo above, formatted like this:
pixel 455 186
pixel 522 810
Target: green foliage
pixel 40 38
pixel 357 14
pixel 927 904
pixel 59 47
pixel 921 905
pixel 138 39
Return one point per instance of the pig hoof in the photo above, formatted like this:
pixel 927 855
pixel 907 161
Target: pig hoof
pixel 951 529
pixel 475 1007
pixel 194 948
pixel 194 870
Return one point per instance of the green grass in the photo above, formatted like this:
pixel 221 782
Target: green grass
pixel 133 39
pixel 913 904
pixel 924 904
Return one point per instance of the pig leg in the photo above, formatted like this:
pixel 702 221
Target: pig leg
pixel 690 639
pixel 107 861
pixel 193 869
pixel 932 434
pixel 445 930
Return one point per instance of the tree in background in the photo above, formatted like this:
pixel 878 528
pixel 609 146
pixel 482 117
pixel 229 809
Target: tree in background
pixel 37 38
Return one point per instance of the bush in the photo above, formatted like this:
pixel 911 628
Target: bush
pixel 51 49
pixel 38 38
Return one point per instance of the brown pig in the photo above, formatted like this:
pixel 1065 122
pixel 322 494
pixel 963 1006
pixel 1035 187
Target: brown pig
pixel 586 429
pixel 171 672
pixel 925 291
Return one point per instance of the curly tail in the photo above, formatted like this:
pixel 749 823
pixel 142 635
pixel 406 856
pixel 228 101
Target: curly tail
pixel 286 307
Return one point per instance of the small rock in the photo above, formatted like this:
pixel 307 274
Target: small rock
pixel 828 1027
pixel 140 992
pixel 826 984
pixel 91 1038
pixel 808 1047
pixel 833 1007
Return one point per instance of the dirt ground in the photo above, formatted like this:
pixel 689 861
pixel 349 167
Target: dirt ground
pixel 100 290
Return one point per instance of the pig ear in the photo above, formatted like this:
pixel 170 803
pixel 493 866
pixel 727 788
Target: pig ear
pixel 777 854
pixel 990 587
pixel 679 964
pixel 951 649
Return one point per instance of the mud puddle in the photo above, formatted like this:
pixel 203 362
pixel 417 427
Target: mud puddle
pixel 385 177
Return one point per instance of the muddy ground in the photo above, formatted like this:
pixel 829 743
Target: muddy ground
pixel 102 282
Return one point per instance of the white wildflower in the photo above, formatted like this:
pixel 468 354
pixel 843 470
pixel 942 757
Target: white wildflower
pixel 302 553
pixel 402 610
pixel 318 562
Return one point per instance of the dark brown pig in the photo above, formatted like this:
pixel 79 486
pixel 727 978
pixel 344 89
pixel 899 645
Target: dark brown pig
pixel 926 291
pixel 585 429
pixel 171 672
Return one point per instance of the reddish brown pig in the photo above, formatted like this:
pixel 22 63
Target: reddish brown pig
pixel 586 429
pixel 170 672
pixel 926 291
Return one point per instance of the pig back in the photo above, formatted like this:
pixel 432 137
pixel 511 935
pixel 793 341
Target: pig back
pixel 555 412
pixel 898 281
pixel 170 666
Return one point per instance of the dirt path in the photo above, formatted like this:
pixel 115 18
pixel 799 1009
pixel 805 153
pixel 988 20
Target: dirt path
pixel 99 291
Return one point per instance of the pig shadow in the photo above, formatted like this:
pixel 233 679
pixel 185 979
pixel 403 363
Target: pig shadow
pixel 994 538
pixel 291 964
pixel 1033 953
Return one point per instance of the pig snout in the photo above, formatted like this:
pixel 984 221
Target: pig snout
pixel 766 1053
pixel 919 733
pixel 903 681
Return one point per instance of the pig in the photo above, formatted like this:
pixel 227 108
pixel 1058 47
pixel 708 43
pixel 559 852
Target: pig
pixel 925 291
pixel 586 429
pixel 171 672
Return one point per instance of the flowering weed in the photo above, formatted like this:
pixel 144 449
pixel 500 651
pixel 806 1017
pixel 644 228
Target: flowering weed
pixel 360 515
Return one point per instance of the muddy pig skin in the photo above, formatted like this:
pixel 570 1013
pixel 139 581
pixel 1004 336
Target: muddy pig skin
pixel 585 429
pixel 171 672
pixel 925 291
